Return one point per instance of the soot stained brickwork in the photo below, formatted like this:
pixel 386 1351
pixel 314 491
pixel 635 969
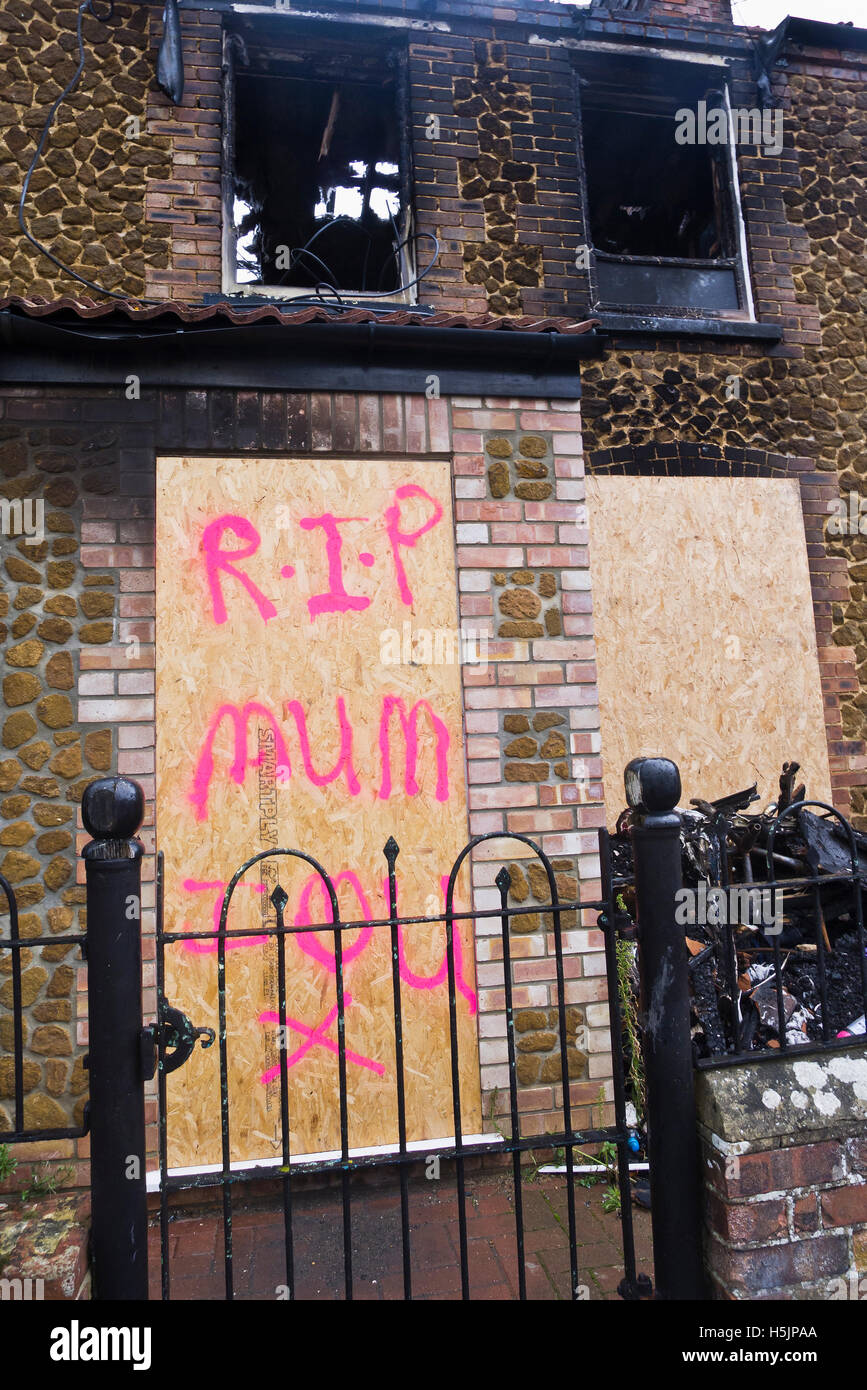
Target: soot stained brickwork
pixel 501 262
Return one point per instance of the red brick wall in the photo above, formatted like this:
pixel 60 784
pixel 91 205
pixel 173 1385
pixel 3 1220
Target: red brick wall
pixel 785 1178
pixel 704 11
pixel 791 1218
pixel 189 200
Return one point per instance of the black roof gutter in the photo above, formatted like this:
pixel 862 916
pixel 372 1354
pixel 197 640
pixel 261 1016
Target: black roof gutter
pixel 272 356
pixel 819 33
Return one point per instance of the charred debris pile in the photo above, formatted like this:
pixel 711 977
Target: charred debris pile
pixel 765 892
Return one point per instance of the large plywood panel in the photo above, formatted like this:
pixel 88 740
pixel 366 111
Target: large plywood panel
pixel 705 632
pixel 285 717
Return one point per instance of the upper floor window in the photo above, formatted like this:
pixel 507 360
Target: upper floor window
pixel 662 208
pixel 316 175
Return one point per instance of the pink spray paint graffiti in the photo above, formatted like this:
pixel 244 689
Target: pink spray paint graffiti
pixel 218 887
pixel 222 565
pixel 392 704
pixel 399 538
pixel 219 561
pixel 239 721
pixel 309 941
pixel 335 599
pixel 344 758
pixel 441 976
pixel 316 1038
pixel 311 946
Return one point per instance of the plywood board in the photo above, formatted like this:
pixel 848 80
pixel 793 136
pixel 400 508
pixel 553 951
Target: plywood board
pixel 291 595
pixel 705 633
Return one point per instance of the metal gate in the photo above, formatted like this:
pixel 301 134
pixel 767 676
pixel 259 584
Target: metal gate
pixel 123 1056
pixel 174 1037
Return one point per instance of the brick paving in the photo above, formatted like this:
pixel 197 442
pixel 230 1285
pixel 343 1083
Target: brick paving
pixel 196 1243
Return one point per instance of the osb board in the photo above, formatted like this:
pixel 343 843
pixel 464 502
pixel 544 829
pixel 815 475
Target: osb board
pixel 705 633
pixel 331 557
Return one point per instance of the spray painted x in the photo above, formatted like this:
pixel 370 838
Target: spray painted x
pixel 316 1037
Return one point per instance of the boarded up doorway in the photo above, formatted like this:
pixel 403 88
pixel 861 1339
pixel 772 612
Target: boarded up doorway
pixel 293 712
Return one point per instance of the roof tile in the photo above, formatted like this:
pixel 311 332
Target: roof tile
pixel 37 307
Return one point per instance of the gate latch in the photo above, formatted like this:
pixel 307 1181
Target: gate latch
pixel 177 1032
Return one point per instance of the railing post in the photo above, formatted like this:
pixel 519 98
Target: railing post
pixel 653 791
pixel 112 810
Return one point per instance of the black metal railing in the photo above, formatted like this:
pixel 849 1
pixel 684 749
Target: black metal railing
pixel 124 1055
pixel 15 944
pixel 112 810
pixel 231 1178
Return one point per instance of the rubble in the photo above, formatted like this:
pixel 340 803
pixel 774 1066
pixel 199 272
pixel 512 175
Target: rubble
pixel 754 902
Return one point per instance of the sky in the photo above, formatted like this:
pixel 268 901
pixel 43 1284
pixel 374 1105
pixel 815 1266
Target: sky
pixel 768 13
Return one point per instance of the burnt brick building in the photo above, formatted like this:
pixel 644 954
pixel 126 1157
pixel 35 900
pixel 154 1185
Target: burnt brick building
pixel 603 265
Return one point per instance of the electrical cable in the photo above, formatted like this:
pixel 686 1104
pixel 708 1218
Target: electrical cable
pixel 87 7
pixel 296 254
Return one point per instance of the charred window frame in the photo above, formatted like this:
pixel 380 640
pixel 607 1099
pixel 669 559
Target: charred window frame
pixel 687 264
pixel 305 214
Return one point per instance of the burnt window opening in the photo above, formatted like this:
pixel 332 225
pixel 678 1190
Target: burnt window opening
pixel 646 195
pixel 316 189
pixel 662 218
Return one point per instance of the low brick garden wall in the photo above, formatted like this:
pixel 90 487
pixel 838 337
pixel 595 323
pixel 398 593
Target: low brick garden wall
pixel 44 1248
pixel 784 1155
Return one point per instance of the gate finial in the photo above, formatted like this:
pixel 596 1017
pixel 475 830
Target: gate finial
pixel 112 809
pixel 652 784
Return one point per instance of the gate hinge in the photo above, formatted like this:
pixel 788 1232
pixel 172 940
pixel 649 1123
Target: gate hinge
pixel 177 1032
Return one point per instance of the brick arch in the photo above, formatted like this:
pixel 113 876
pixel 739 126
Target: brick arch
pixel 682 459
